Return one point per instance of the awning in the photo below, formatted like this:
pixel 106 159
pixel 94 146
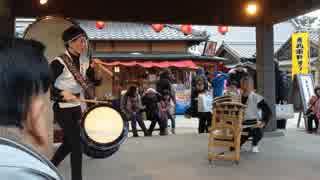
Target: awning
pixel 154 63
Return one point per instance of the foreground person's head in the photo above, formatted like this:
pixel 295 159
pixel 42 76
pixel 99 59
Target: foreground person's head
pixel 24 81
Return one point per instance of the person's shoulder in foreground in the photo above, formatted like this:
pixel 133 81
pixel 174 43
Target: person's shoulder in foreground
pixel 19 162
pixel 24 81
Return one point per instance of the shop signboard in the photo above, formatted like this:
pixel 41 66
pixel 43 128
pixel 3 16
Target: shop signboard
pixel 306 89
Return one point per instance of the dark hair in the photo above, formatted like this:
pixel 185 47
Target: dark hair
pixel 24 72
pixel 132 91
pixel 71 33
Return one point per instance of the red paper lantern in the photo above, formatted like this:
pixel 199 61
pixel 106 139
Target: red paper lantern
pixel 157 27
pixel 186 29
pixel 223 29
pixel 100 24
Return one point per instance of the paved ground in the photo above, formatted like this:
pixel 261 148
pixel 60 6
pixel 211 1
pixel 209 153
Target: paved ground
pixel 294 156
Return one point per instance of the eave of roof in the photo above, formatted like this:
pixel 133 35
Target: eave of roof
pixel 160 56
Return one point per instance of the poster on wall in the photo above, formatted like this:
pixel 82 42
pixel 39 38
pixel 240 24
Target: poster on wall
pixel 210 48
pixel 306 88
pixel 183 98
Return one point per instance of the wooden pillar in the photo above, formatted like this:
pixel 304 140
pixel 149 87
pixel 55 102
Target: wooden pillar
pixel 7 19
pixel 266 67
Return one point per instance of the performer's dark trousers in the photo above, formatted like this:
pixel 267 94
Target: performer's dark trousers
pixel 204 122
pixel 312 118
pixel 255 133
pixel 69 120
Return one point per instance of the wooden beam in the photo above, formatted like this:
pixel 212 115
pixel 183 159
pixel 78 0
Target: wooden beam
pixel 7 19
pixel 287 9
pixel 206 12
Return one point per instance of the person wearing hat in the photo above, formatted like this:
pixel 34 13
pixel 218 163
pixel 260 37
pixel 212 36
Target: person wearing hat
pixel 66 89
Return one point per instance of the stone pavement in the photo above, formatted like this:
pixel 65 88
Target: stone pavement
pixel 294 156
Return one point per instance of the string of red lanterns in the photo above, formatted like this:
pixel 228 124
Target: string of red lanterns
pixel 100 24
pixel 186 29
pixel 223 29
pixel 157 27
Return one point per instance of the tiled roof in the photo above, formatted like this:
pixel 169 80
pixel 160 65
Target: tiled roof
pixel 126 31
pixel 141 57
pixel 314 36
pixel 137 31
pixel 246 50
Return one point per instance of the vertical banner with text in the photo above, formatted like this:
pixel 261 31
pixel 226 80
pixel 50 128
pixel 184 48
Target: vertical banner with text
pixel 300 53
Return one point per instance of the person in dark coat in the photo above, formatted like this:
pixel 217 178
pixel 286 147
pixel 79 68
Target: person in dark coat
pixel 151 100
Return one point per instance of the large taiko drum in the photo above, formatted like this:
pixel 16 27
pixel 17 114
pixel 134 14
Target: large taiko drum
pixel 103 130
pixel 48 30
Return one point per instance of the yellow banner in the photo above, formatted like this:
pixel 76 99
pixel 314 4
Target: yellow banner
pixel 300 53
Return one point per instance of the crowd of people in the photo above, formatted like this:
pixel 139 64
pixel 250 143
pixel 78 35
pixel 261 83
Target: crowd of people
pixel 158 106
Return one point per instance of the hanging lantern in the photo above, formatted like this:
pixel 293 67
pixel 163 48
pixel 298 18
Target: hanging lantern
pixel 116 69
pixel 223 29
pixel 100 24
pixel 43 2
pixel 157 27
pixel 186 29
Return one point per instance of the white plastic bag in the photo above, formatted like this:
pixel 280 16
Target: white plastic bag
pixel 284 111
pixel 205 102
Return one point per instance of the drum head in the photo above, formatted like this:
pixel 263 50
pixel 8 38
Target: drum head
pixel 49 31
pixel 103 125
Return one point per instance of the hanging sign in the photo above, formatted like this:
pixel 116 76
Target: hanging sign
pixel 300 53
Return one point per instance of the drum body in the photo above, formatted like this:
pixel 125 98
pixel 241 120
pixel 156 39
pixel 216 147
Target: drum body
pixel 103 130
pixel 48 30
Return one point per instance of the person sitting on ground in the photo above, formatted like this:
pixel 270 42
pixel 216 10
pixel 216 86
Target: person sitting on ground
pixel 165 107
pixel 254 123
pixel 24 82
pixel 131 107
pixel 314 111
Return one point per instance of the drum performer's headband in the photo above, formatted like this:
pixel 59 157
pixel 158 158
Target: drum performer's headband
pixel 72 33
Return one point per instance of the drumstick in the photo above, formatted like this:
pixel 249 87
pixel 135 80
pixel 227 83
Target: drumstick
pixel 93 101
pixel 105 69
pixel 100 65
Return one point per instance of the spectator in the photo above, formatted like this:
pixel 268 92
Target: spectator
pixel 151 100
pixel 131 107
pixel 314 112
pixel 218 83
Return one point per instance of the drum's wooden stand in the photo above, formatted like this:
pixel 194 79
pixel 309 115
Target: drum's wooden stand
pixel 225 132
